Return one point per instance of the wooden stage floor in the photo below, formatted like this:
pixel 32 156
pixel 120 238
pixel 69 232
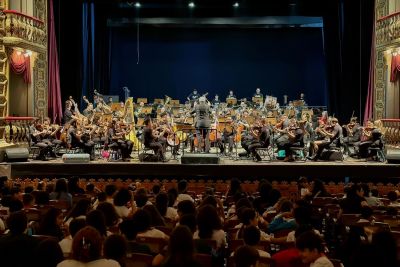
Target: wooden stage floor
pixel 227 168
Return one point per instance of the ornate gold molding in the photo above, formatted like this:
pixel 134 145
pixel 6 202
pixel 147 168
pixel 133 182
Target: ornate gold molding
pixel 380 85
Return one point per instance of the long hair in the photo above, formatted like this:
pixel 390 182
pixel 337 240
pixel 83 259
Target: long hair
pixel 208 221
pixel 181 247
pixel 87 245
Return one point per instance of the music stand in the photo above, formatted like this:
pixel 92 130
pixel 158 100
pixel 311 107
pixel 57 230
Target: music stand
pixel 257 99
pixel 231 101
pixel 174 102
pixel 159 101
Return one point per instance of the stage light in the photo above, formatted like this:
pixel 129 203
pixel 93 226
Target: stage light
pixel 137 5
pixel 191 5
pixel 236 5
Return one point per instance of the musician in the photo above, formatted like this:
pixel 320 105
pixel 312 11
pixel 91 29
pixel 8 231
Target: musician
pixel 110 101
pixel 262 139
pixel 332 133
pixel 80 140
pixel 88 112
pixel 151 139
pixel 49 135
pixel 371 137
pixel 353 134
pixel 295 137
pixel 231 95
pixel 216 101
pixel 202 111
pixel 243 107
pixel 36 130
pixel 68 114
pixel 116 140
pixel 193 96
pixel 258 93
pixel 280 128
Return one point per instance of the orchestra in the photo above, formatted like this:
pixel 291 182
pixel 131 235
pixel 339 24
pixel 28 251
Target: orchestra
pixel 199 125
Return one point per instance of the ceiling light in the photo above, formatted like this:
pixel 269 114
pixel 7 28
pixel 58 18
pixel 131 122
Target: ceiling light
pixel 137 5
pixel 236 4
pixel 191 5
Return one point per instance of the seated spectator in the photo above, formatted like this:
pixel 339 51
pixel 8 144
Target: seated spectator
pixel 318 189
pixel 73 186
pixel 353 201
pixel 182 192
pixel 249 217
pixel 284 219
pixel 79 211
pixel 110 190
pixel 42 198
pixel 156 218
pixel 129 230
pixel 372 200
pixel 111 216
pixel 234 187
pixel 393 198
pixel 172 195
pixel 312 250
pixel 142 220
pixel 186 207
pixel 209 226
pixel 189 220
pixel 124 204
pixel 28 201
pixel 96 219
pixel 87 250
pixel 163 207
pixel 48 254
pixel 66 243
pixel 246 256
pixel 16 241
pixel 251 237
pixel 366 215
pixel 303 187
pixel 61 192
pixel 302 216
pixel 115 248
pixel 52 224
pixel 261 203
pixel 181 252
pixel 242 202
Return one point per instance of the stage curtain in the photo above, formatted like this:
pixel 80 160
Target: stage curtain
pixel 369 103
pixel 20 65
pixel 54 89
pixel 88 41
pixel 395 68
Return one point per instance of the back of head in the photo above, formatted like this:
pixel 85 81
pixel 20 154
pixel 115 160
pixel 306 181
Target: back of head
pixel 302 215
pixel 162 203
pixel 251 235
pixel 115 247
pixel 182 186
pixel 75 225
pixel 246 256
pixel 189 220
pixel 122 197
pixel 181 247
pixel 96 219
pixel 186 207
pixel 48 253
pixel 87 245
pixel 207 221
pixel 109 212
pixel 17 222
pixel 142 220
pixel 247 215
pixel 110 190
pixel 392 196
pixel 311 241
pixel 141 197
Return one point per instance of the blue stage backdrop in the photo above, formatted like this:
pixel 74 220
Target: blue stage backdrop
pixel 173 61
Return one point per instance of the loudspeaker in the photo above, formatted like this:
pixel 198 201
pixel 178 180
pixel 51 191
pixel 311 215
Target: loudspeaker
pixel 393 156
pixel 200 159
pixel 16 154
pixel 76 158
pixel 331 155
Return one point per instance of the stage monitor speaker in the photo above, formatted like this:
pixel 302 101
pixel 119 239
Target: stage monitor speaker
pixel 393 156
pixel 16 154
pixel 76 158
pixel 200 159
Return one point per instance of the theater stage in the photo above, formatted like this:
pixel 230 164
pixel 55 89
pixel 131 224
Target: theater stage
pixel 226 169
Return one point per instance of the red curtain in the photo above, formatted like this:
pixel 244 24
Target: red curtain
pixel 21 65
pixel 54 90
pixel 395 68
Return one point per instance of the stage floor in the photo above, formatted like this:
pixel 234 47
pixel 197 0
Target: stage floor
pixel 227 168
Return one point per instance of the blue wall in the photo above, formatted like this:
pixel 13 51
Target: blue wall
pixel 173 61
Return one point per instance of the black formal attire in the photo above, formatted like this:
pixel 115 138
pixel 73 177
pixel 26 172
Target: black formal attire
pixel 334 141
pixel 297 141
pixel 82 142
pixel 67 115
pixel 150 142
pixel 263 141
pixel 202 112
pixel 354 138
pixel 17 250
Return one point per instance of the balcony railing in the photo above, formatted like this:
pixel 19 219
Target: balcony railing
pixel 391 131
pixel 27 29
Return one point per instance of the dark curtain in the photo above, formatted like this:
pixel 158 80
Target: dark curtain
pixel 348 32
pixel 54 90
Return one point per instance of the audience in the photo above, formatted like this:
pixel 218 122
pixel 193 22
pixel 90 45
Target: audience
pixel 246 256
pixel 116 248
pixel 61 192
pixel 312 250
pixel 74 227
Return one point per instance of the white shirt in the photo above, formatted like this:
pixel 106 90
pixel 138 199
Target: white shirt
pixel 291 238
pixel 182 197
pixel 96 263
pixel 122 211
pixel 322 262
pixel 153 232
pixel 2 226
pixel 171 213
pixel 262 253
pixel 66 245
pixel 218 235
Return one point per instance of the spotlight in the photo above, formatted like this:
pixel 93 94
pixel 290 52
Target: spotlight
pixel 191 5
pixel 236 5
pixel 137 5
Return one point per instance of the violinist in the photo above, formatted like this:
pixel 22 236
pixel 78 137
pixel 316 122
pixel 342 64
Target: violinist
pixel 295 137
pixel 332 134
pixel 216 102
pixel 49 135
pixel 79 140
pixel 353 134
pixel 281 129
pixel 371 136
pixel 116 140
pixel 227 137
pixel 261 140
